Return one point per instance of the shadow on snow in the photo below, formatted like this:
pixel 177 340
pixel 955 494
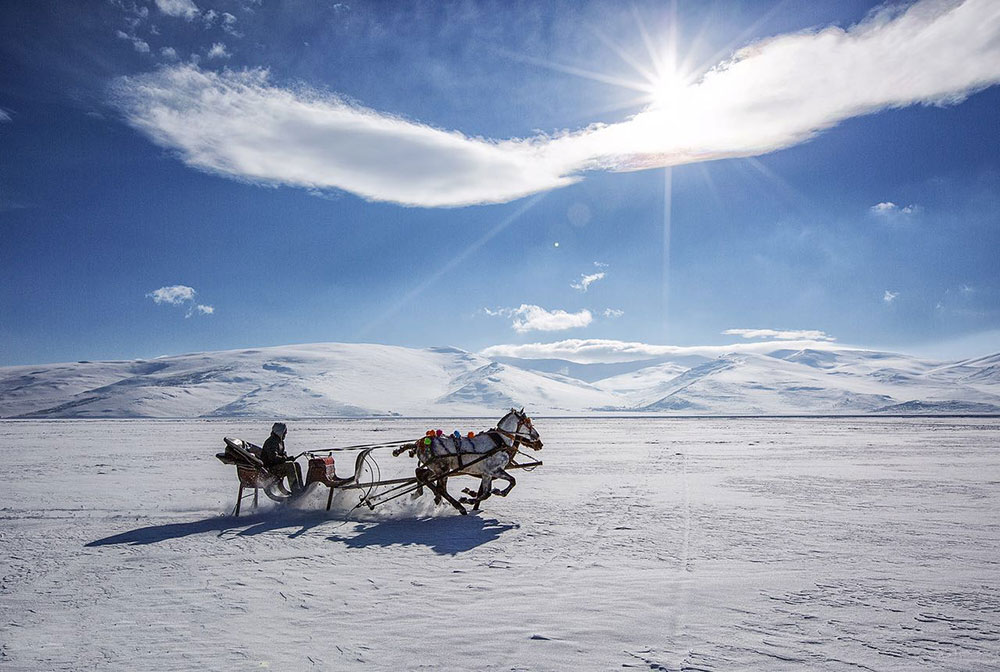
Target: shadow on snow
pixel 443 535
pixel 446 536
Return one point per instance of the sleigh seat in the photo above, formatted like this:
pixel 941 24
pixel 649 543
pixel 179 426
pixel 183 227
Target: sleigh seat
pixel 250 470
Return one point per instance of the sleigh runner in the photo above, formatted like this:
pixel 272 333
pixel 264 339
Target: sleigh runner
pixel 487 455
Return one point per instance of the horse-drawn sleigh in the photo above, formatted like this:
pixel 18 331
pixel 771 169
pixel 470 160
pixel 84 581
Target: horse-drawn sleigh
pixel 488 455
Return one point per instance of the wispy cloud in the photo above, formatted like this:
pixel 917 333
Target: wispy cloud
pixel 889 296
pixel 529 317
pixel 613 313
pixel 591 351
pixel 4 115
pixel 218 50
pixel 185 9
pixel 770 95
pixel 229 25
pixel 138 43
pixel 237 124
pixel 180 295
pixel 587 280
pixel 169 53
pixel 781 334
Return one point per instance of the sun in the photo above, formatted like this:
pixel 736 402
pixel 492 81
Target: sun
pixel 667 89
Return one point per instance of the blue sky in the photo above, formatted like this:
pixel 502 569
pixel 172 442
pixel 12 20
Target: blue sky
pixel 444 174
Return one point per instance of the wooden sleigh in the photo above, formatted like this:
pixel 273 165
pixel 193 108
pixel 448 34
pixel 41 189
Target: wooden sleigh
pixel 254 476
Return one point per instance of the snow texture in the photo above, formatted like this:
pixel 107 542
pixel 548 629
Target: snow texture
pixel 365 380
pixel 642 543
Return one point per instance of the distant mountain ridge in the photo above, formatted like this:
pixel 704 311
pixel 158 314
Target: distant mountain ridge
pixel 358 380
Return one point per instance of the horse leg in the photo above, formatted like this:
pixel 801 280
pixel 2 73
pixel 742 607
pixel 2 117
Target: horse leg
pixel 484 492
pixel 507 477
pixel 420 473
pixel 438 492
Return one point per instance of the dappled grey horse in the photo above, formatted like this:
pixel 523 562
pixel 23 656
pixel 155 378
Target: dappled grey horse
pixel 486 455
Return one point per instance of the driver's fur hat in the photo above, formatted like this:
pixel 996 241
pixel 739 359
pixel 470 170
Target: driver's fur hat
pixel 279 429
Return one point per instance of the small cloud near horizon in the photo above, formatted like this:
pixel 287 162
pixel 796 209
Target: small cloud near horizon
pixel 528 317
pixel 597 351
pixel 889 296
pixel 781 334
pixel 180 295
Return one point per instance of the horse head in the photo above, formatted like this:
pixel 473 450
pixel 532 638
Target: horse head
pixel 519 424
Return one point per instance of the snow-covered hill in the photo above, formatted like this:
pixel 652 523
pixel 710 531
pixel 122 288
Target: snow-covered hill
pixel 355 380
pixel 321 380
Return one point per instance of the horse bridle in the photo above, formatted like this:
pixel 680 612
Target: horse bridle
pixel 516 436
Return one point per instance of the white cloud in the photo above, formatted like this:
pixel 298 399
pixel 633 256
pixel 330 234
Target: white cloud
pixel 185 9
pixel 237 124
pixel 173 294
pixel 587 280
pixel 229 25
pixel 139 44
pixel 180 295
pixel 4 115
pixel 772 94
pixel 890 209
pixel 535 318
pixel 209 17
pixel 169 53
pixel 889 297
pixel 613 313
pixel 781 334
pixel 218 50
pixel 591 351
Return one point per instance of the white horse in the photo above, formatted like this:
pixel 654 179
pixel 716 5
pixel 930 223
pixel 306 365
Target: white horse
pixel 485 455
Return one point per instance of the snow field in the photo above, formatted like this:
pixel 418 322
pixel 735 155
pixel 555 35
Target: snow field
pixel 664 544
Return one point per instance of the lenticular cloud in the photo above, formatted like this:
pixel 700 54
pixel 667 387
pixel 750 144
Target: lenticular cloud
pixel 769 95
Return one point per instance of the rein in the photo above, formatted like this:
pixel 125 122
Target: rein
pixel 516 436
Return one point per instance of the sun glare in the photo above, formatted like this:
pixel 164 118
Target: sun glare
pixel 667 89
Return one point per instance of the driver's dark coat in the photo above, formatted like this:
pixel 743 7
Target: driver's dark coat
pixel 273 451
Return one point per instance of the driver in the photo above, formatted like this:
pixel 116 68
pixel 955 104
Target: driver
pixel 277 462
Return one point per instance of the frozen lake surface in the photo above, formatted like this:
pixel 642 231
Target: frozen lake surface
pixel 662 544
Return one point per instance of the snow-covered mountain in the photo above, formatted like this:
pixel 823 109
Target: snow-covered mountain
pixel 321 380
pixel 353 380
